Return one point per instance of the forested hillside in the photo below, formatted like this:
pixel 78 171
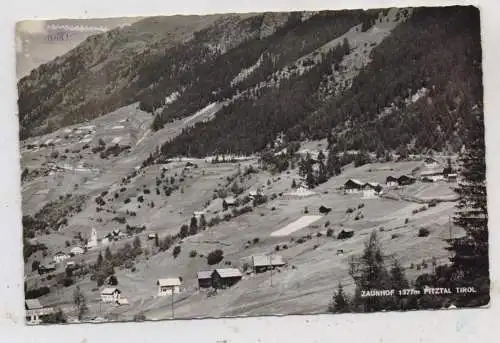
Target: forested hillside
pixel 114 69
pixel 436 49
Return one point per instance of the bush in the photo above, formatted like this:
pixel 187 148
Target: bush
pixel 285 246
pixel 329 232
pixel 140 317
pixel 327 223
pixel 345 234
pixel 319 234
pixel 193 253
pixel 176 251
pixel 406 221
pixel 66 282
pixel 215 257
pixel 277 248
pixel 126 201
pixel 433 203
pixel 394 235
pixel 306 210
pixel 349 210
pixel 361 206
pixel 256 240
pixel 423 232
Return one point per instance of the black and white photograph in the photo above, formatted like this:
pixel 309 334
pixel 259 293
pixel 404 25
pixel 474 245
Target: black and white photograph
pixel 252 164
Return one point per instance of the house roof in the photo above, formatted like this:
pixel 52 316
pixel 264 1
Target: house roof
pixel 372 184
pixel 76 249
pixel 48 267
pixel 228 272
pixel 355 181
pixel 207 274
pixel 169 282
pixel 230 200
pixel 33 304
pixel 109 291
pixel 391 178
pixel 60 253
pixel 406 177
pixel 271 260
pixel 431 173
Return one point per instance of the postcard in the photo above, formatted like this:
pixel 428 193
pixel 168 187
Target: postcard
pixel 252 164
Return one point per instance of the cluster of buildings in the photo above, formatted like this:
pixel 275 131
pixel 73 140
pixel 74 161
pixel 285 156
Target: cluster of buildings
pixel 369 189
pixel 433 172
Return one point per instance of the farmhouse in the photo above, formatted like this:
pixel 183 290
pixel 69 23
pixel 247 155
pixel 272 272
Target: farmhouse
pixel 35 312
pixel 77 251
pixel 198 214
pixel 405 180
pixel 371 190
pixel 452 178
pixel 431 162
pixel 46 269
pixel 60 257
pixel 225 277
pixel 262 263
pixel 353 186
pixel 255 193
pixel 109 295
pixel 168 286
pixel 229 202
pixel 152 235
pixel 205 279
pixel 391 181
pixel 432 176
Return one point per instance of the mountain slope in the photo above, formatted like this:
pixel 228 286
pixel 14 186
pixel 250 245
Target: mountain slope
pixel 101 74
pixel 435 50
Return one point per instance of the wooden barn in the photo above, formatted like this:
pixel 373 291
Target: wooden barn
pixel 225 277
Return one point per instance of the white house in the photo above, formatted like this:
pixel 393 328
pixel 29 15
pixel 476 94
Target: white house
pixel 60 257
pixel 432 176
pixel 391 181
pixel 371 190
pixel 255 193
pixel 77 251
pixel 198 214
pixel 110 295
pixel 168 286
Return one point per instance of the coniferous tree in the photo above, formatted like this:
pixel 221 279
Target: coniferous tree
pixel 203 222
pixel 193 226
pixel 80 302
pixel 333 166
pixel 470 260
pixel 340 301
pixel 370 273
pixel 99 261
pixel 107 254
